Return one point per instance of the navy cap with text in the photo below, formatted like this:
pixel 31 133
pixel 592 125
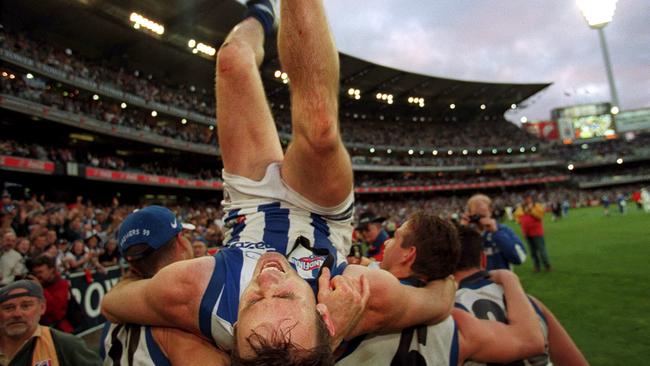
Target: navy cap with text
pixel 152 225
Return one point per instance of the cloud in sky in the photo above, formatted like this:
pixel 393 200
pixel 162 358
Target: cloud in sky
pixel 504 41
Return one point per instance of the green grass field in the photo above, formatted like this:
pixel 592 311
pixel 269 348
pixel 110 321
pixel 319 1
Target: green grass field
pixel 600 285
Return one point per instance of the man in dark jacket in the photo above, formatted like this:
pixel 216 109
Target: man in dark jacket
pixel 24 342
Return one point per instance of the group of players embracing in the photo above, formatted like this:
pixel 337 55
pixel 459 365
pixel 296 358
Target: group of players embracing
pixel 280 292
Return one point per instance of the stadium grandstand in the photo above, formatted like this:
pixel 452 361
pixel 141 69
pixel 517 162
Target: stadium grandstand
pixel 100 116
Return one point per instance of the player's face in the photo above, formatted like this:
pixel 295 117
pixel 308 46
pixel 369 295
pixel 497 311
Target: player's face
pixel 277 299
pixel 393 251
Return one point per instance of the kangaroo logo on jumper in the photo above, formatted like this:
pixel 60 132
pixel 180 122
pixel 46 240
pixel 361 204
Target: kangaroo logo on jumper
pixel 308 267
pixel 174 225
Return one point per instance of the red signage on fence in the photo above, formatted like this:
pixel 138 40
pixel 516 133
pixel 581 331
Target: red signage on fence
pixel 148 179
pixel 24 164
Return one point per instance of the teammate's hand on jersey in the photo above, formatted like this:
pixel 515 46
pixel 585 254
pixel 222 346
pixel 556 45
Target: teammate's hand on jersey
pixel 501 276
pixel 346 299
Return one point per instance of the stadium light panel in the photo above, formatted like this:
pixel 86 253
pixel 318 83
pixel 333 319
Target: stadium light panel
pixel 597 13
pixel 140 21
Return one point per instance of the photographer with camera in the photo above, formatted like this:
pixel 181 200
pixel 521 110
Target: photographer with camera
pixel 501 245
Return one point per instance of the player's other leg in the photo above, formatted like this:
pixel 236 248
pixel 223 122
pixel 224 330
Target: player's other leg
pixel 248 138
pixel 316 164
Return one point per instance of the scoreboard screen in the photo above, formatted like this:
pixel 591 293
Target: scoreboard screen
pixel 588 121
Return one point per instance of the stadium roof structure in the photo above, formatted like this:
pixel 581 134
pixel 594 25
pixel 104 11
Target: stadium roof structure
pixel 101 30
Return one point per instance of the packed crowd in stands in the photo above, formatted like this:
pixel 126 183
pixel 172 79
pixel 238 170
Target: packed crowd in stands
pixel 130 81
pixel 395 133
pixel 98 160
pixel 427 179
pixel 81 236
pixel 81 103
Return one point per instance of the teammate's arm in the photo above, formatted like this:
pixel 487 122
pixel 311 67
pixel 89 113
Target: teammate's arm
pixel 171 298
pixel 182 348
pixel 562 349
pixel 491 341
pixel 393 306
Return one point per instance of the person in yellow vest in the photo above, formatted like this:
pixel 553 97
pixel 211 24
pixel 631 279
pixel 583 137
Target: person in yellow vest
pixel 530 216
pixel 24 342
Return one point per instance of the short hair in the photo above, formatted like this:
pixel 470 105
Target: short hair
pixel 471 247
pixel 279 351
pixel 479 198
pixel 436 243
pixel 42 260
pixel 147 266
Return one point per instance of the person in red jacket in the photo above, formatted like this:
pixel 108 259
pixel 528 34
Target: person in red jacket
pixel 56 291
pixel 530 216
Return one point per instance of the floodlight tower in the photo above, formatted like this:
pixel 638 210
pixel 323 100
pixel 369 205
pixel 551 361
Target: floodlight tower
pixel 599 13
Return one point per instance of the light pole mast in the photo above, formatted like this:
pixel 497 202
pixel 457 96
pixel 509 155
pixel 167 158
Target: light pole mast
pixel 599 13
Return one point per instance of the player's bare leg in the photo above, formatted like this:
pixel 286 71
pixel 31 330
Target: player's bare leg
pixel 247 135
pixel 316 164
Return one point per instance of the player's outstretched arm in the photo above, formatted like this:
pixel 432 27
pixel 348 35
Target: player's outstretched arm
pixel 171 298
pixel 491 341
pixel 393 306
pixel 562 349
pixel 182 348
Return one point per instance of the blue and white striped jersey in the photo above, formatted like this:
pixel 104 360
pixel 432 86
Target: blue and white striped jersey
pixel 233 272
pixel 130 345
pixel 478 295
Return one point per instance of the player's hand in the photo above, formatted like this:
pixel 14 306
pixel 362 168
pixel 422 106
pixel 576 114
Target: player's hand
pixel 489 224
pixel 346 299
pixel 501 276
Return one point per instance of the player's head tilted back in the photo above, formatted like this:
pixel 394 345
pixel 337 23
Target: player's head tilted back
pixel 425 246
pixel 151 238
pixel 279 320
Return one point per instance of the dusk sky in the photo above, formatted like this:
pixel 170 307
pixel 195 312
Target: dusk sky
pixel 504 41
